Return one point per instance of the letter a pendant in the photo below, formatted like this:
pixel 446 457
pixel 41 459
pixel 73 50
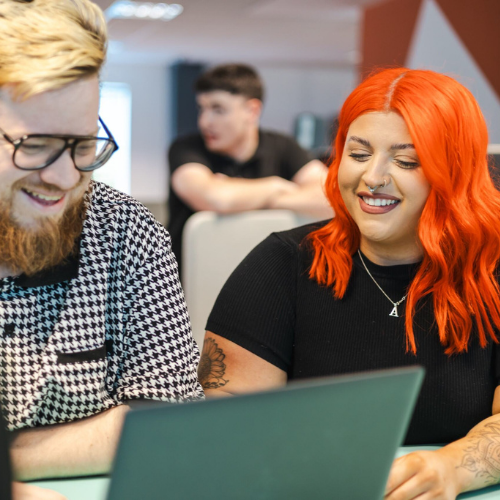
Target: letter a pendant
pixel 394 312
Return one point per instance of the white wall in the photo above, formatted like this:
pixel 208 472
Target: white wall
pixel 292 90
pixel 150 127
pixel 289 91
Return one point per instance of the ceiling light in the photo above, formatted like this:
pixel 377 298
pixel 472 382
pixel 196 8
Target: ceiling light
pixel 126 9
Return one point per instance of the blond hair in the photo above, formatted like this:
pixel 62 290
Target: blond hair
pixel 46 44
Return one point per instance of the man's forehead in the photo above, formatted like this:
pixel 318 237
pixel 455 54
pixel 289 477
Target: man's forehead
pixel 6 97
pixel 71 109
pixel 219 97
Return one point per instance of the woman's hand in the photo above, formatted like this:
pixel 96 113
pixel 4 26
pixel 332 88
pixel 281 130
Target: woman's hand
pixel 21 491
pixel 422 474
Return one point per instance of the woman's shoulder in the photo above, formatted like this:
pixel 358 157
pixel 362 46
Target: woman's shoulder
pixel 279 253
pixel 297 236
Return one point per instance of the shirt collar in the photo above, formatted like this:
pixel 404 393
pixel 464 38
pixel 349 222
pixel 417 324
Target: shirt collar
pixel 65 271
pixel 259 152
pixel 257 156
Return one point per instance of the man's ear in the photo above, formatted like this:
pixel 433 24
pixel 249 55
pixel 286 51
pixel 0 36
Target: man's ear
pixel 254 107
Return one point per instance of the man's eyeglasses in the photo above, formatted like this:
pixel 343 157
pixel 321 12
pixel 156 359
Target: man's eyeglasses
pixel 37 151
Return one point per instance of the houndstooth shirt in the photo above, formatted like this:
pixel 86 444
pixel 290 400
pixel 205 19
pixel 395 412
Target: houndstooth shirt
pixel 106 327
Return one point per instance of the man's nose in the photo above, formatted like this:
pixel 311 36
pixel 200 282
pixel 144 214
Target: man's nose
pixel 203 119
pixel 62 173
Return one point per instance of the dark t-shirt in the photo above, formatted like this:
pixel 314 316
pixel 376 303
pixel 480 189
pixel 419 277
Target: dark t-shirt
pixel 270 307
pixel 5 478
pixel 276 154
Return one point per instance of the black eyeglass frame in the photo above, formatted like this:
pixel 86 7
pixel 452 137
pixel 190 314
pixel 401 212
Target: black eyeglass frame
pixel 70 141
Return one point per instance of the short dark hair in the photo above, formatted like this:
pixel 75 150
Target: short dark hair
pixel 238 79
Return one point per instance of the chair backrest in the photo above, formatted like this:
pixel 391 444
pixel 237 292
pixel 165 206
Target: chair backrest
pixel 213 245
pixel 494 152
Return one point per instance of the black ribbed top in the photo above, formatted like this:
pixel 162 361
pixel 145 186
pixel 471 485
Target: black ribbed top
pixel 270 307
pixel 5 475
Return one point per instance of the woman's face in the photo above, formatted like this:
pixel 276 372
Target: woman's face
pixel 379 149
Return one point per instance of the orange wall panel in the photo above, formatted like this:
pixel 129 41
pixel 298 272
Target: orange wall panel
pixel 389 26
pixel 387 33
pixel 477 23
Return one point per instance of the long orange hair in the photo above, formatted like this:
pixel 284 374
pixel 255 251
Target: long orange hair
pixel 459 228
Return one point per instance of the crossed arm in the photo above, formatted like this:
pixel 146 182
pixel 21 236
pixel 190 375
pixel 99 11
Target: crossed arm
pixel 469 463
pixel 201 189
pixel 82 447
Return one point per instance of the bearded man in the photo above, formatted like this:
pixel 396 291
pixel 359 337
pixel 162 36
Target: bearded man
pixel 92 315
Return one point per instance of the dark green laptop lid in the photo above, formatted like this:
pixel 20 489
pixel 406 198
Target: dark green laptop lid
pixel 328 438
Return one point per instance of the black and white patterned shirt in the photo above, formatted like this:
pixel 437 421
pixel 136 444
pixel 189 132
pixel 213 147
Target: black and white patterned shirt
pixel 106 327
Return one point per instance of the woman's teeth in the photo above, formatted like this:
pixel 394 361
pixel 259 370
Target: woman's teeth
pixel 378 202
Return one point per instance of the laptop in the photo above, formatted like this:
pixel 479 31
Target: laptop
pixel 329 438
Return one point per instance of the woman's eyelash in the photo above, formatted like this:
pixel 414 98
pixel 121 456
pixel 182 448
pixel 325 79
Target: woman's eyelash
pixel 407 164
pixel 403 164
pixel 359 157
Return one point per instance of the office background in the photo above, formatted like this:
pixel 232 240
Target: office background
pixel 310 54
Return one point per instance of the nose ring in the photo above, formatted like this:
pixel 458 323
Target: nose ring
pixel 374 188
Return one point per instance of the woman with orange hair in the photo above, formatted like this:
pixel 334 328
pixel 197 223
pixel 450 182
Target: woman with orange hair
pixel 406 273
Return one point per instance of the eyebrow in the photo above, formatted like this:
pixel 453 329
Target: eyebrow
pixel 366 143
pixel 402 146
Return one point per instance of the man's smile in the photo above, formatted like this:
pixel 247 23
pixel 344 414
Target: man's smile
pixel 43 198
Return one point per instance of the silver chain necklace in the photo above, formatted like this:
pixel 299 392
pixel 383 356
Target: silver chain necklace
pixel 394 311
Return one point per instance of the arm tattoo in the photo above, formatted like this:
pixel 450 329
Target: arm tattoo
pixel 482 457
pixel 212 368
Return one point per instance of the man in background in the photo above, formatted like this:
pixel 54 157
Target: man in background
pixel 92 315
pixel 232 165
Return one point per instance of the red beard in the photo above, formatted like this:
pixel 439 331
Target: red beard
pixel 29 251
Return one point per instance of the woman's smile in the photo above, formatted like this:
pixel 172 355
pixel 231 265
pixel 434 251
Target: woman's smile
pixel 377 203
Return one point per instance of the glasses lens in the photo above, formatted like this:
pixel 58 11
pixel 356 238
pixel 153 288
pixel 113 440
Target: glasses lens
pixel 36 152
pixel 90 154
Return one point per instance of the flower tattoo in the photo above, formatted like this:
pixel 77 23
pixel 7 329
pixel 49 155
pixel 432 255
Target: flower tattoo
pixel 212 368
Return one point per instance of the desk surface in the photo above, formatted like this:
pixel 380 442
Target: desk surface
pixel 95 488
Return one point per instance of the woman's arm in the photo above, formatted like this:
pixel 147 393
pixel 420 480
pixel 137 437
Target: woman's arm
pixel 470 463
pixel 226 368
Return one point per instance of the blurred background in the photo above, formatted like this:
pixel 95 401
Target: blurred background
pixel 310 54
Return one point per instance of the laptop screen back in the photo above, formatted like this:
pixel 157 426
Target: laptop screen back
pixel 331 438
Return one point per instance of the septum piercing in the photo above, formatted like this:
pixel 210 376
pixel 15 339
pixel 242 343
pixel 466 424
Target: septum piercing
pixel 373 189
